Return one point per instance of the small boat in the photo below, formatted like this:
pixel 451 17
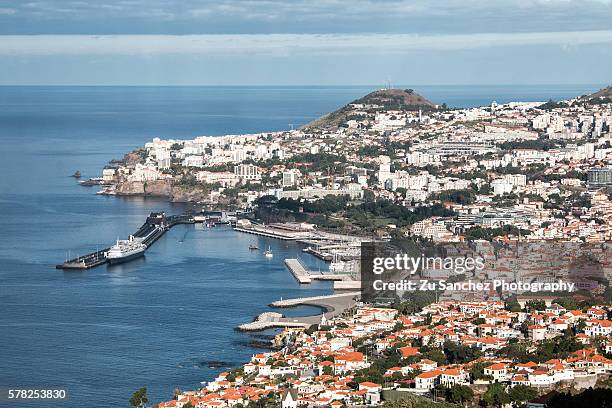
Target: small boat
pixel 253 247
pixel 268 253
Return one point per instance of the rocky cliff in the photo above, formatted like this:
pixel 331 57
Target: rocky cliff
pixel 161 188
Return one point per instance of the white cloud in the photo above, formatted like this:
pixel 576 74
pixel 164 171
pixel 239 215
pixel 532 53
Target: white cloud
pixel 284 44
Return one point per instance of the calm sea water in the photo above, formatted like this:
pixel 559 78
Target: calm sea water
pixel 160 320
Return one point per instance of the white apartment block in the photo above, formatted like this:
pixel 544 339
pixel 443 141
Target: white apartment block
pixel 247 172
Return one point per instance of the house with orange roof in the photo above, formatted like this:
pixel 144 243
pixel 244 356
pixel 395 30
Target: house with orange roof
pixel 406 352
pixel 597 327
pixel 382 344
pixel 249 368
pixel 454 376
pixel 559 324
pixel 556 309
pixel 426 365
pixel 498 371
pixel 583 338
pixel 537 332
pixel 259 358
pixel 321 366
pixel 372 390
pixel 540 377
pixel 351 361
pixel 597 313
pixel 427 380
pixel 574 316
pixel 490 343
pixel 393 370
pixel 598 364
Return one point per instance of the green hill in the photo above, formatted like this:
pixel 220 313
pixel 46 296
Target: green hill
pixel 383 99
pixel 599 97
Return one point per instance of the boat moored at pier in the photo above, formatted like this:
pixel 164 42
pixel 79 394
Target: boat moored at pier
pixel 125 250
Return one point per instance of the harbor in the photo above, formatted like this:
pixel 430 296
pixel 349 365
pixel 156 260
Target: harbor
pixel 342 252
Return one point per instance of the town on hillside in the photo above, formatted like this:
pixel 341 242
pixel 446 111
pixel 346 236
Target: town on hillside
pixel 393 166
pixel 488 353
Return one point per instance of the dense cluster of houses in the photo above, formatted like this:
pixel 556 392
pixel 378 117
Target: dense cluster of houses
pixel 322 367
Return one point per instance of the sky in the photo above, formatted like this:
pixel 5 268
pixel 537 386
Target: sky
pixel 305 42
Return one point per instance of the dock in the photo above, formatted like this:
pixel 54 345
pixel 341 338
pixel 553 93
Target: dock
pixel 268 234
pixel 156 225
pixel 325 300
pixel 332 305
pixel 303 276
pixel 297 269
pixel 319 254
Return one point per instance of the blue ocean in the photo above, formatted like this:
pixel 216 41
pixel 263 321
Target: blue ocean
pixel 165 321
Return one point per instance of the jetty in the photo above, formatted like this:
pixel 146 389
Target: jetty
pixel 326 301
pixel 332 306
pixel 303 276
pixel 268 233
pixel 303 234
pixel 156 225
pixel 297 269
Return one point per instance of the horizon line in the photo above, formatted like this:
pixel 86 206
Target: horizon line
pixel 397 86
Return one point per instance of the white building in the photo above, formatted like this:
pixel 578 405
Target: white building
pixel 225 178
pixel 247 172
pixel 144 172
pixel 290 178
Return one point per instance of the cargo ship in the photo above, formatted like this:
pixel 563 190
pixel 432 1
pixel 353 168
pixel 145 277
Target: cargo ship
pixel 125 250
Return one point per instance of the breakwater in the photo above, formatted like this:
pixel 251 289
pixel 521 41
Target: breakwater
pixel 154 227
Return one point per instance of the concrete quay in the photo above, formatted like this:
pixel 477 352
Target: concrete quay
pixel 327 302
pixel 267 232
pixel 332 305
pixel 270 320
pixel 293 232
pixel 302 275
pixel 297 269
pixel 347 285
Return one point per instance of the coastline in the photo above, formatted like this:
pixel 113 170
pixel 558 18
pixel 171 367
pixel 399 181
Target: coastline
pixel 160 189
pixel 83 207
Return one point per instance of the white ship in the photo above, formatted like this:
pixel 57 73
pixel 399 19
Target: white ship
pixel 126 249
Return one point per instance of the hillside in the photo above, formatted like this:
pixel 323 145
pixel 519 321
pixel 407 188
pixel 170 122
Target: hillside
pixel 383 99
pixel 400 99
pixel 601 96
